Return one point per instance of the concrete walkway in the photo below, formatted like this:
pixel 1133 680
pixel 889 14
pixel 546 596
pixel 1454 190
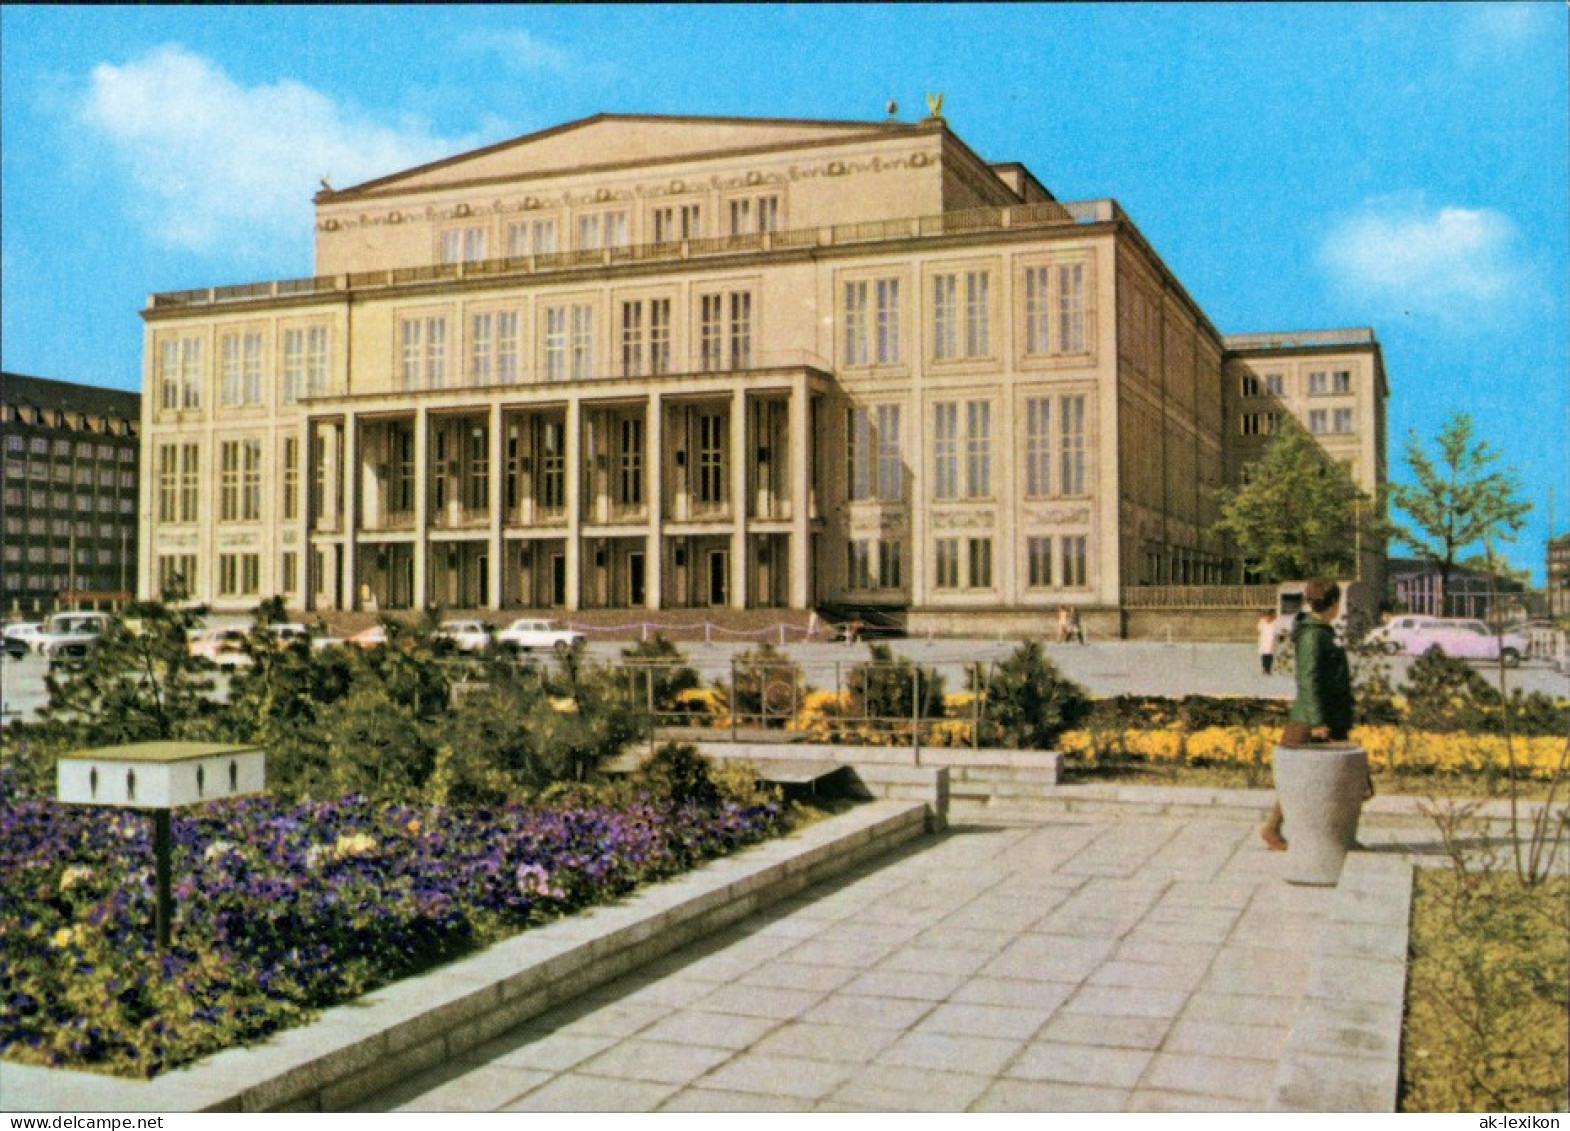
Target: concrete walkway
pixel 1117 962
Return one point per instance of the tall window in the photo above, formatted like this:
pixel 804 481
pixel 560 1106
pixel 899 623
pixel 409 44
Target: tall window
pixel 424 352
pixel 239 575
pixel 1318 421
pixel 228 481
pixel 945 451
pixel 891 463
pixel 978 449
pixel 889 569
pixel 1038 310
pixel 858 568
pixel 531 237
pixel 1071 308
pixel 646 337
pixel 290 507
pixel 754 214
pixel 1038 447
pixel 1341 381
pixel 482 348
pixel 1341 420
pixel 886 330
pixel 242 369
pixel 1038 562
pixel 251 481
pixel 1073 572
pixel 629 458
pixel 553 464
pixel 946 563
pixel 632 339
pixel 961 306
pixel 463 245
pixel 602 229
pixel 725 331
pixel 711 458
pixel 168 482
pixel 677 222
pixel 1071 477
pixel 569 342
pixel 190 482
pixel 856 329
pixel 980 563
pixel 180 374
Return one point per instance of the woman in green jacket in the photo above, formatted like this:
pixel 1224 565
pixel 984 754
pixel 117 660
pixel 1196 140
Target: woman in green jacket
pixel 1322 711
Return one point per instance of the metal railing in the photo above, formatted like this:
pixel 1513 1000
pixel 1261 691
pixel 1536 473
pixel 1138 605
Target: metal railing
pixel 1200 597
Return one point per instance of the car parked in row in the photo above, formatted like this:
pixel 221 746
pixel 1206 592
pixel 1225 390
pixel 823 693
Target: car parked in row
pixel 1462 638
pixel 540 636
pixel 24 633
pixel 465 635
pixel 223 647
pixel 72 637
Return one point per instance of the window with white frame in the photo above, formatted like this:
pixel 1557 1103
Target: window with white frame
pixel 1055 309
pixel 601 230
pixel 1341 381
pixel 305 360
pixel 945 451
pixel 629 460
pixel 494 347
pixel 875 453
pixel 980 563
pixel 423 352
pixel 190 482
pixel 239 575
pixel 1318 421
pixel 857 335
pixel 241 355
pixel 251 480
pixel 168 482
pixel 1341 421
pixel 1038 562
pixel 463 245
pixel 978 449
pixel 1275 384
pixel 228 481
pixel 754 214
pixel 569 342
pixel 646 337
pixel 711 458
pixel 531 237
pixel 675 222
pixel 1038 447
pixel 1071 308
pixel 290 487
pixel 725 331
pixel 1072 561
pixel 180 374
pixel 945 560
pixel 1071 421
pixel 961 315
pixel 553 464
pixel 1318 383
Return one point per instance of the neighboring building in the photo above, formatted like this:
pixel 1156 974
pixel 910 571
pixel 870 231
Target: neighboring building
pixel 674 362
pixel 1415 587
pixel 1559 577
pixel 68 494
pixel 1332 382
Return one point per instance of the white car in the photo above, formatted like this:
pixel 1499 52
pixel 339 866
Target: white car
pixel 1462 638
pixel 72 636
pixel 224 647
pixel 540 636
pixel 465 635
pixel 27 633
pixel 1392 636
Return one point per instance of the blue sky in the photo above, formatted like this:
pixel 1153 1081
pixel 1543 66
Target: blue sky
pixel 1297 166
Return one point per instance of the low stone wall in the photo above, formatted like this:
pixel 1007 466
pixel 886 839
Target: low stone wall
pixel 1190 624
pixel 361 1048
pixel 938 776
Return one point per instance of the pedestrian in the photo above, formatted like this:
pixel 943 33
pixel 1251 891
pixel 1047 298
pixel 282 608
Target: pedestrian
pixel 1069 626
pixel 1266 630
pixel 1322 711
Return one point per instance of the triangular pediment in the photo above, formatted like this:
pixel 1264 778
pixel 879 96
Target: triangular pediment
pixel 609 141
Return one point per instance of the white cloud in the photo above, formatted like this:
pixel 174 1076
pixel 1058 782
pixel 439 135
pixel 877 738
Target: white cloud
pixel 1495 28
pixel 1404 255
pixel 218 165
pixel 522 49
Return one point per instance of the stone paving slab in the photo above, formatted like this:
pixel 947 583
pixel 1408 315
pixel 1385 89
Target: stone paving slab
pixel 1078 962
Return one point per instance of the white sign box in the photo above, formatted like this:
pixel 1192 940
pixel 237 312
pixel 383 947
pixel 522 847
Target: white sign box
pixel 160 775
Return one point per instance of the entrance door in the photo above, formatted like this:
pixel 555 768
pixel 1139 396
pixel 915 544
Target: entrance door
pixel 717 577
pixel 635 594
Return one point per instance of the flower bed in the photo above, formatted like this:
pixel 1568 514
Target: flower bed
pixel 282 910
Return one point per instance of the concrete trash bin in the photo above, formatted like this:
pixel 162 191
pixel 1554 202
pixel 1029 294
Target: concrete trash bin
pixel 1321 790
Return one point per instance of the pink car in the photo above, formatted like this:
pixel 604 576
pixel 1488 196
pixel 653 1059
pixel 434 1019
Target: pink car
pixel 1465 640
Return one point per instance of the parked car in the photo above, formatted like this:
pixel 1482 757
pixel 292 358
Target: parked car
pixel 368 638
pixel 286 634
pixel 465 635
pixel 1463 639
pixel 224 647
pixel 25 633
pixel 72 637
pixel 13 648
pixel 1392 636
pixel 540 636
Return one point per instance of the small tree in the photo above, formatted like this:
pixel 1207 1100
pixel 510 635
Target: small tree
pixel 889 687
pixel 658 669
pixel 1030 703
pixel 1459 501
pixel 1299 514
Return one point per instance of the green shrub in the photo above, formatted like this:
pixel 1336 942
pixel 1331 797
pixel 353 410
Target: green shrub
pixel 678 774
pixel 659 673
pixel 1030 703
pixel 893 688
pixel 767 687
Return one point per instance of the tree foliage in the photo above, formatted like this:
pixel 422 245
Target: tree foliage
pixel 1299 515
pixel 1460 499
pixel 1030 703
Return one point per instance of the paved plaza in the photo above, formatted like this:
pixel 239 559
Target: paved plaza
pixel 1116 962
